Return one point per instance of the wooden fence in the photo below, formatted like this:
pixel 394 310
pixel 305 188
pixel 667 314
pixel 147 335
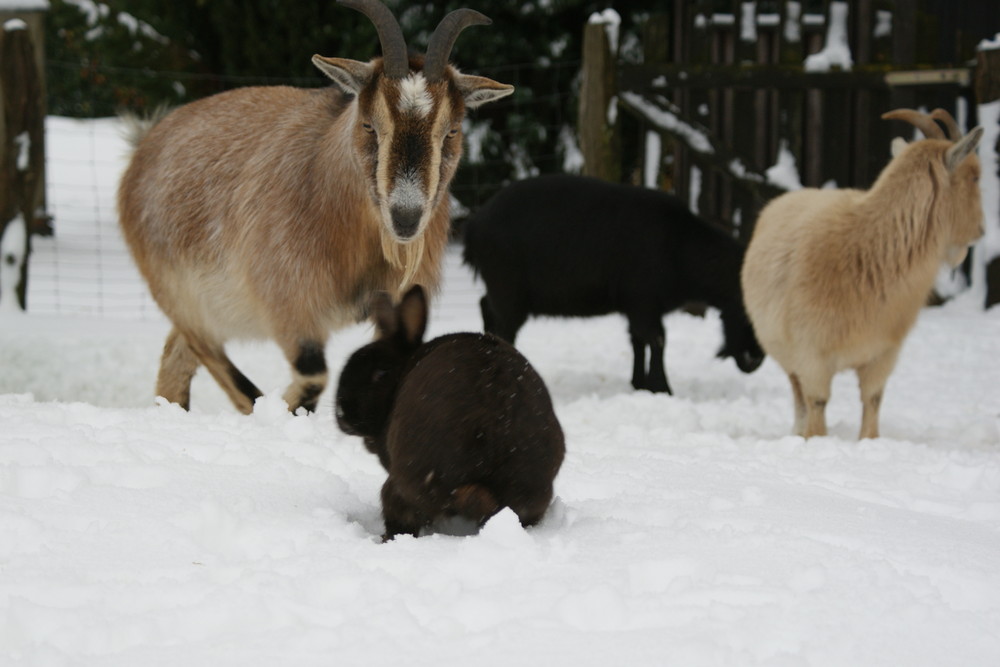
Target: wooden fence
pixel 733 88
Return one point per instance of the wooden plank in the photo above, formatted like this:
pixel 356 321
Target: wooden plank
pixel 642 78
pixel 600 140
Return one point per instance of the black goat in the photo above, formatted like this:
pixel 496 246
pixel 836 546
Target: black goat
pixel 463 423
pixel 576 246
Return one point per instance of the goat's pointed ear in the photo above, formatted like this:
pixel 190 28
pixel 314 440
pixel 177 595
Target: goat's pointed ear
pixel 349 75
pixel 478 90
pixel 386 319
pixel 413 314
pixel 897 146
pixel 962 148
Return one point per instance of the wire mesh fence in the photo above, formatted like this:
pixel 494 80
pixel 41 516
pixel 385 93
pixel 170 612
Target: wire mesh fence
pixel 85 268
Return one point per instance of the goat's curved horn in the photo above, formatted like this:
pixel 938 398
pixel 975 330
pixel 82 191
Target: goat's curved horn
pixel 395 61
pixel 918 119
pixel 443 39
pixel 949 122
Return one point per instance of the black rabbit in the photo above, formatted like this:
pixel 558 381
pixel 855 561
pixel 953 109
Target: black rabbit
pixel 463 424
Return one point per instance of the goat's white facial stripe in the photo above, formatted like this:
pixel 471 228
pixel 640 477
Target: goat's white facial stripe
pixel 414 96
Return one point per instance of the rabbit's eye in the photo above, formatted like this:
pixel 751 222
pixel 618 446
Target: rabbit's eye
pixel 378 374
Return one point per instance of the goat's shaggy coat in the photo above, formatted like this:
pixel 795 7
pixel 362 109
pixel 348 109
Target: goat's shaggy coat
pixel 275 212
pixel 463 423
pixel 575 246
pixel 834 279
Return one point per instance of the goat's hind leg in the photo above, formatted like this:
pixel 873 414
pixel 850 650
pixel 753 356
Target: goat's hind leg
pixel 871 379
pixel 800 404
pixel 178 365
pixel 815 394
pixel 241 391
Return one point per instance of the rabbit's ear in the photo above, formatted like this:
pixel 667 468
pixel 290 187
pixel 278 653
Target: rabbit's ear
pixel 386 319
pixel 413 314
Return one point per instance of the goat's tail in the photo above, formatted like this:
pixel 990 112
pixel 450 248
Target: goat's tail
pixel 474 501
pixel 135 126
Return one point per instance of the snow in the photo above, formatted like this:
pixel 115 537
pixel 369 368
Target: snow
pixel 694 189
pixel 652 156
pixel 22 143
pixel 94 11
pixel 14 24
pixel 836 51
pixel 23 5
pixel 990 44
pixel 783 173
pixel 687 529
pixel 793 25
pixel 695 139
pixel 748 21
pixel 572 155
pixel 612 21
pixel 12 245
pixel 883 24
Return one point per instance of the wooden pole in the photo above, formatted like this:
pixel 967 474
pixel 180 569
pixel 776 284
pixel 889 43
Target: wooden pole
pixel 987 89
pixel 600 137
pixel 22 159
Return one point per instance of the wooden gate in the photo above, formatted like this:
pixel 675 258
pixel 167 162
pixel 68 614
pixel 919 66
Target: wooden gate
pixel 733 92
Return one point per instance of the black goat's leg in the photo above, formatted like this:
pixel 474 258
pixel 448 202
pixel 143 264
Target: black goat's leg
pixel 647 331
pixel 657 378
pixel 504 321
pixel 638 362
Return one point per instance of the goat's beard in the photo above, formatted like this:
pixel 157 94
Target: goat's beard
pixel 403 256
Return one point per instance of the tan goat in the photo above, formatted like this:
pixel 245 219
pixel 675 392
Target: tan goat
pixel 834 279
pixel 275 212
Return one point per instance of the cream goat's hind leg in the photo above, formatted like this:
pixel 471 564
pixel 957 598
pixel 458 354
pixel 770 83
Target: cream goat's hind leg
pixel 241 391
pixel 871 379
pixel 800 404
pixel 816 394
pixel 177 367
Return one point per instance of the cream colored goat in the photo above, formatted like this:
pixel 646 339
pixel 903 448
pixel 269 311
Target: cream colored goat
pixel 834 279
pixel 276 212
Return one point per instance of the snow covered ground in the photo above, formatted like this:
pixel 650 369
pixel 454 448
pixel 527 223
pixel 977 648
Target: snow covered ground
pixel 688 530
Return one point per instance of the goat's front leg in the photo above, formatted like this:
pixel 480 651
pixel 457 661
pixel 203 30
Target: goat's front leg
pixel 871 379
pixel 309 374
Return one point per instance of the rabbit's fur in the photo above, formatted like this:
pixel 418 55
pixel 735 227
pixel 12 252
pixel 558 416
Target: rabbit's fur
pixel 463 424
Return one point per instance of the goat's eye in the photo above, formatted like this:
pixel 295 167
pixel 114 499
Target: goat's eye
pixel 452 132
pixel 367 127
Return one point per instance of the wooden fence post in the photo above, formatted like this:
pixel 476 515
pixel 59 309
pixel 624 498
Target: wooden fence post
pixel 600 137
pixel 22 157
pixel 987 89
